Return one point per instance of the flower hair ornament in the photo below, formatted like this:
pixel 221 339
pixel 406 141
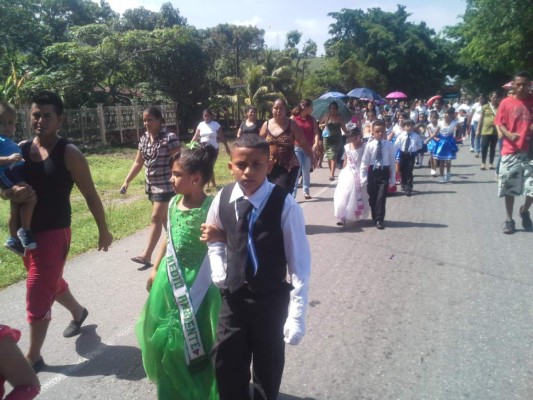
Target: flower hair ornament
pixel 193 145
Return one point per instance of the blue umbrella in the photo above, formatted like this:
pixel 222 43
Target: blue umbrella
pixel 330 95
pixel 365 94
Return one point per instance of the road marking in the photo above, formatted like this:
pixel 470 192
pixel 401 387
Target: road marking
pixel 92 355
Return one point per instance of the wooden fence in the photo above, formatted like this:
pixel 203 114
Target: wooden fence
pixel 111 125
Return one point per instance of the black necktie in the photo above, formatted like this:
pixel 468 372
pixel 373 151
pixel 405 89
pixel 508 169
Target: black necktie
pixel 379 155
pixel 407 143
pixel 243 258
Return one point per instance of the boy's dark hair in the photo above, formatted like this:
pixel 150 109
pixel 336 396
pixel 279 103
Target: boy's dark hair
pixel 6 108
pixel 199 160
pixel 252 142
pixel 522 74
pixel 46 97
pixel 154 111
pixel 408 121
pixel 378 122
pixel 405 115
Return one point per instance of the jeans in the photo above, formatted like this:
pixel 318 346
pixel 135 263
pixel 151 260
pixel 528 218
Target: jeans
pixel 305 169
pixel 488 146
pixel 475 138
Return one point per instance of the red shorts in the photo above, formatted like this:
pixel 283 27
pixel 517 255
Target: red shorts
pixel 45 272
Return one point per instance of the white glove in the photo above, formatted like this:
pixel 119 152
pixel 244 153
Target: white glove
pixel 294 330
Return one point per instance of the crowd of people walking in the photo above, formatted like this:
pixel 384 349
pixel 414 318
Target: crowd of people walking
pixel 221 303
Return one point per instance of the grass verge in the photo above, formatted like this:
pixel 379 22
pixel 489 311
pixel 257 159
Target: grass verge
pixel 125 214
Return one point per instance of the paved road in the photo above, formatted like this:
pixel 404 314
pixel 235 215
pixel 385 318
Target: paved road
pixel 436 306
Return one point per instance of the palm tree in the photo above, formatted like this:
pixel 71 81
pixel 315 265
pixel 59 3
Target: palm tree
pixel 257 88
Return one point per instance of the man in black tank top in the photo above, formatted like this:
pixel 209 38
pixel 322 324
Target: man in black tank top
pixel 52 167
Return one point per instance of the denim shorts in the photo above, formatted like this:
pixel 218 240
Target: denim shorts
pixel 160 197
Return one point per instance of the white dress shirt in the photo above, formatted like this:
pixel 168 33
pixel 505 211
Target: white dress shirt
pixel 369 158
pixel 415 142
pixel 297 253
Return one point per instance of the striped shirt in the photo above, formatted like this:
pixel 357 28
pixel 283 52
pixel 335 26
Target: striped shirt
pixel 156 155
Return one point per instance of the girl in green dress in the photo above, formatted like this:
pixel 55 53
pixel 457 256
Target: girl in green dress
pixel 176 329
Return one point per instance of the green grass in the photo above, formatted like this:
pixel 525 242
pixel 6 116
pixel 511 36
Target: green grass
pixel 125 214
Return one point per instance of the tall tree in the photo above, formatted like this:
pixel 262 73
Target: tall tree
pixel 407 55
pixel 493 41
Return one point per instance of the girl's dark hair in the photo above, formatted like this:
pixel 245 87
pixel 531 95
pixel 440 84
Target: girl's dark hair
pixel 355 131
pixel 199 160
pixel 334 104
pixel 250 107
pixel 155 112
pixel 298 109
pixel 208 111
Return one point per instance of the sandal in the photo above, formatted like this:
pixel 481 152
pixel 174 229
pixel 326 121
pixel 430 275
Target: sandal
pixel 307 196
pixel 38 365
pixel 140 260
pixel 74 327
pixel 332 178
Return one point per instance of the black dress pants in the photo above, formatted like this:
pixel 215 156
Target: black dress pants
pixel 407 164
pixel 250 329
pixel 377 188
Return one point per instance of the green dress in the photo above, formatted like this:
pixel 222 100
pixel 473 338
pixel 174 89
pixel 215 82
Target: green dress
pixel 333 143
pixel 159 330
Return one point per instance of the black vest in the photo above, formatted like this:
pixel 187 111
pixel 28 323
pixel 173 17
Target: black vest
pixel 268 239
pixel 52 184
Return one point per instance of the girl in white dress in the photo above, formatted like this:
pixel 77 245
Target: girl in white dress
pixel 350 201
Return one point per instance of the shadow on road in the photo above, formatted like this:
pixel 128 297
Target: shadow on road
pixel 124 362
pixel 282 396
pixel 409 224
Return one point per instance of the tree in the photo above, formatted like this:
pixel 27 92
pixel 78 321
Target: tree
pixel 408 56
pixel 310 48
pixel 493 41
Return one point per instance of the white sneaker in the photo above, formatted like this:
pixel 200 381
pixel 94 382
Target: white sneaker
pixel 447 177
pixel 441 179
pixel 433 172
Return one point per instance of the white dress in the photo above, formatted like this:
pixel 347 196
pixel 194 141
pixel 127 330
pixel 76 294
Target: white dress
pixel 350 201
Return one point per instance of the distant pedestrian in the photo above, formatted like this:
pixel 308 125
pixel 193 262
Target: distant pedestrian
pixel 445 149
pixel 350 200
pixel 250 124
pixel 377 170
pixel 210 132
pixel 332 127
pixel 155 148
pixel 407 146
pixel 281 134
pixel 514 120
pixel 301 114
pixel 488 131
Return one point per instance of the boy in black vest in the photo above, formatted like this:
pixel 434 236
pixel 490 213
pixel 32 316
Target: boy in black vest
pixel 265 244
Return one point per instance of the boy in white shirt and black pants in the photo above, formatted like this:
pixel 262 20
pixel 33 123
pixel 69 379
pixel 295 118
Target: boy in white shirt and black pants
pixel 408 144
pixel 377 168
pixel 265 241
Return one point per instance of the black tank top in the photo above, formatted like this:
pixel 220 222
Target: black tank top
pixel 52 183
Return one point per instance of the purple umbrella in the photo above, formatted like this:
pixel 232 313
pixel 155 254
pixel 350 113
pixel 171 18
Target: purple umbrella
pixel 396 95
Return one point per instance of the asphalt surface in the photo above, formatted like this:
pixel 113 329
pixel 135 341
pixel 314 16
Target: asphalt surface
pixel 436 306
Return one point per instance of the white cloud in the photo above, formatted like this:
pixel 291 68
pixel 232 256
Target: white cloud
pixel 254 21
pixel 122 5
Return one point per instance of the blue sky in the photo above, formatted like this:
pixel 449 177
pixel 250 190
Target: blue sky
pixel 277 17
